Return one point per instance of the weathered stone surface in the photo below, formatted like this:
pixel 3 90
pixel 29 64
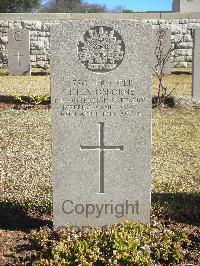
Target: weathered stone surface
pixel 18 52
pixel 38 45
pixel 101 121
pixel 32 25
pixel 196 65
pixel 186 6
pixel 4 39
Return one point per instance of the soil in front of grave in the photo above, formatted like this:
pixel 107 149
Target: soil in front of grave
pixel 24 106
pixel 15 236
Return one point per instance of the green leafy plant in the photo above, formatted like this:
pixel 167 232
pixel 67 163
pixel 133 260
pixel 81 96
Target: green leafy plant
pixel 122 244
pixel 37 99
pixel 32 99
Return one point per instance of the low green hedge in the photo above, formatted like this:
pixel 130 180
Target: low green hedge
pixel 122 244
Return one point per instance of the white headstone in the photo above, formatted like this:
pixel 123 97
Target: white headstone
pixel 18 52
pixel 101 122
pixel 196 64
pixel 186 6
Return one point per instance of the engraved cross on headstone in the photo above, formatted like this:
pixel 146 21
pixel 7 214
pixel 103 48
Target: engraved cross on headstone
pixel 101 147
pixel 18 57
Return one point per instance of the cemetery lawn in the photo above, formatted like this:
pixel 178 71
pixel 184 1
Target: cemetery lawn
pixel 39 83
pixel 26 188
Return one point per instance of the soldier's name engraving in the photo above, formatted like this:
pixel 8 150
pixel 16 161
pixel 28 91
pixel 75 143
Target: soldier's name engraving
pixel 99 92
pixel 119 210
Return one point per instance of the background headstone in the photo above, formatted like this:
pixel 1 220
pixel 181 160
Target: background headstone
pixel 18 52
pixel 101 122
pixel 186 6
pixel 164 48
pixel 196 64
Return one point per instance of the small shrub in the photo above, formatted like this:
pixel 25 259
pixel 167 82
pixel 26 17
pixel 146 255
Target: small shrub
pixel 122 244
pixel 32 99
pixel 43 98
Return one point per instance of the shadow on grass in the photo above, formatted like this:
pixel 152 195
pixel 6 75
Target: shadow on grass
pixel 9 99
pixel 179 207
pixel 15 217
pixel 168 101
pixel 182 72
pixel 4 72
pixel 40 73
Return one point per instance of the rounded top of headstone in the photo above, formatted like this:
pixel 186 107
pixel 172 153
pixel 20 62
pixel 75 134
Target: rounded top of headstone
pixel 101 49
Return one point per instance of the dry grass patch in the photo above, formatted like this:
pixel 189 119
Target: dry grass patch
pixel 181 80
pixel 32 85
pixel 36 84
pixel 26 154
pixel 176 150
pixel 25 159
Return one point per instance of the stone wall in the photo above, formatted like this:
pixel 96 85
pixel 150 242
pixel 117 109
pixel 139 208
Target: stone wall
pixel 181 25
pixel 39 41
pixel 181 39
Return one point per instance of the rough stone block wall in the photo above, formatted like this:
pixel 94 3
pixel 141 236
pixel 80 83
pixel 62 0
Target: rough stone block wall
pixel 39 41
pixel 181 38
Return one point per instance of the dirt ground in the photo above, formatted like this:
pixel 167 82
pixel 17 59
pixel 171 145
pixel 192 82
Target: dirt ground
pixel 14 236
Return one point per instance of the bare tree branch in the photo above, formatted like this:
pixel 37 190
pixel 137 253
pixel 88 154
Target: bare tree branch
pixel 162 58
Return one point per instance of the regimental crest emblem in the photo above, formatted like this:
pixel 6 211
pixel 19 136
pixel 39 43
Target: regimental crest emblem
pixel 101 49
